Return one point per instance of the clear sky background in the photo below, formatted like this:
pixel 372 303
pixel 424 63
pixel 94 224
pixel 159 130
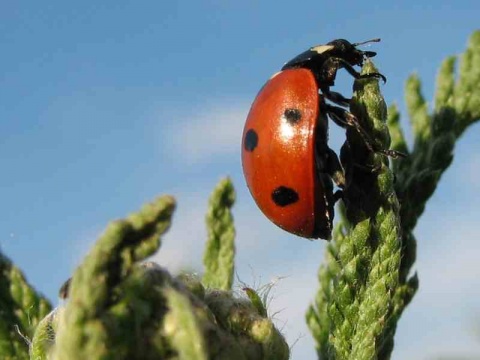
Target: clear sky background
pixel 105 105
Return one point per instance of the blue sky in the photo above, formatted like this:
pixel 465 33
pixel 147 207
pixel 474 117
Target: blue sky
pixel 106 105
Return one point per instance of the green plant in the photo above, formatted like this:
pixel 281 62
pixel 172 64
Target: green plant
pixel 21 310
pixel 121 307
pixel 365 281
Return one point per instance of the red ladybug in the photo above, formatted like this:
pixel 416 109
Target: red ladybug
pixel 286 160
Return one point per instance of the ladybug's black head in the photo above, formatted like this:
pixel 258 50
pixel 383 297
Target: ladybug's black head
pixel 317 58
pixel 347 51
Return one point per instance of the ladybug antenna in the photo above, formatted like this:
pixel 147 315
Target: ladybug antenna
pixel 366 42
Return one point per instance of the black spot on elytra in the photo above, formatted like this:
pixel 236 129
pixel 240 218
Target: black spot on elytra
pixel 292 116
pixel 283 196
pixel 251 140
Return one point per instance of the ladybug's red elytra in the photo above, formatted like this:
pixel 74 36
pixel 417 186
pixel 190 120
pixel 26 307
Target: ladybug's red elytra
pixel 286 160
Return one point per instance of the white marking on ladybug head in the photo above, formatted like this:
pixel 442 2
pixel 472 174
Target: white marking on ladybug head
pixel 320 49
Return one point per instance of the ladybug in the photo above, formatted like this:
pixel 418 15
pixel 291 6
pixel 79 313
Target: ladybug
pixel 288 166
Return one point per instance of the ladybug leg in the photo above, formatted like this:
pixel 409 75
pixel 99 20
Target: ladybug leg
pixel 330 67
pixel 344 119
pixel 336 97
pixel 334 168
pixel 326 160
pixel 357 75
pixel 337 195
pixel 370 169
pixel 327 163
